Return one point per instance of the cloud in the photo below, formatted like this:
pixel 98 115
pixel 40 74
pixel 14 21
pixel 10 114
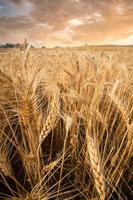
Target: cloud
pixel 65 22
pixel 13 10
pixel 75 22
pixel 120 9
pixel 16 1
pixel 85 20
pixel 45 26
pixel 98 14
pixel 1 7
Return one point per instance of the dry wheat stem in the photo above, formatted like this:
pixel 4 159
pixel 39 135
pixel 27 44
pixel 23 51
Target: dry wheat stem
pixel 68 127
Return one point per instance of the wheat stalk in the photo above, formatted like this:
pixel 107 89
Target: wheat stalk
pixel 25 113
pixel 50 121
pixel 5 165
pixel 95 162
pixel 47 127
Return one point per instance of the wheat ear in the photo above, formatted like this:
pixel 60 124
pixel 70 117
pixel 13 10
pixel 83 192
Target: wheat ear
pixel 5 165
pixel 47 127
pixel 25 113
pixel 50 121
pixel 95 163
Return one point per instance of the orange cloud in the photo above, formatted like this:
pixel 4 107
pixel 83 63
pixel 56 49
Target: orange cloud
pixel 69 22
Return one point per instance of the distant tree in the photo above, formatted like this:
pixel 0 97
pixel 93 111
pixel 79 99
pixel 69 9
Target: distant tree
pixel 32 47
pixel 8 45
pixel 17 45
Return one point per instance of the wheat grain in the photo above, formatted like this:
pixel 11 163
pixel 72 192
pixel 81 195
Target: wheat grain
pixel 50 120
pixel 92 150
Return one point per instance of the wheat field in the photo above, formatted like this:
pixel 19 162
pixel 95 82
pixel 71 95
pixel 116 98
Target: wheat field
pixel 66 124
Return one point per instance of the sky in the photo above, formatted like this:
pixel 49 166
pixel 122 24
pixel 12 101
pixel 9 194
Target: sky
pixel 66 22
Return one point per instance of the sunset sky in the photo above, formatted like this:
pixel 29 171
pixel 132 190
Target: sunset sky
pixel 66 22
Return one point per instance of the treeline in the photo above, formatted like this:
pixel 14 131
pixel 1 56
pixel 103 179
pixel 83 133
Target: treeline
pixel 10 45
